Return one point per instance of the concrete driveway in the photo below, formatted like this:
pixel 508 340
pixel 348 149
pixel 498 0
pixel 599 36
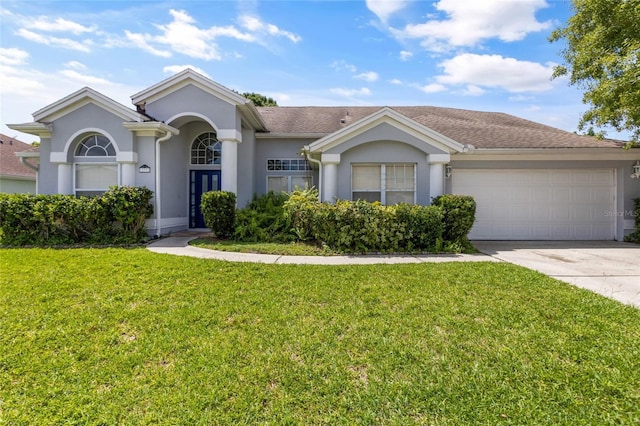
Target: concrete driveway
pixel 609 268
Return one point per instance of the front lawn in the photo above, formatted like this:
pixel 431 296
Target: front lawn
pixel 126 336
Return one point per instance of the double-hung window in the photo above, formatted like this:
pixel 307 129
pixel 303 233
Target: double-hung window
pixel 391 183
pixel 95 167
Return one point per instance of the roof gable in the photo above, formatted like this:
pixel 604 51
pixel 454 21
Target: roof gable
pixel 81 98
pixel 393 118
pixel 182 79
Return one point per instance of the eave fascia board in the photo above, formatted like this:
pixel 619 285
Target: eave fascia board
pixel 182 79
pixel 42 130
pixel 548 154
pixel 252 115
pixel 282 135
pixel 151 128
pixel 81 98
pixel 394 118
pixel 28 154
pixel 18 177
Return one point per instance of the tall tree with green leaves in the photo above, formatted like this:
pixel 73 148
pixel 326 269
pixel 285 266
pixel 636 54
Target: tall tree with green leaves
pixel 602 57
pixel 260 100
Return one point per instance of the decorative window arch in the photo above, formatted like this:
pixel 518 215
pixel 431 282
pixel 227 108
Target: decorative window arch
pixel 206 149
pixel 95 146
pixel 95 168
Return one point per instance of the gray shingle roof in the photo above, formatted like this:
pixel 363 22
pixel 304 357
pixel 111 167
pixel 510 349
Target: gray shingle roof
pixel 480 129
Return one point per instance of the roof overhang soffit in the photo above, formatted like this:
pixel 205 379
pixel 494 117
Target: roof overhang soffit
pixel 81 98
pixel 387 116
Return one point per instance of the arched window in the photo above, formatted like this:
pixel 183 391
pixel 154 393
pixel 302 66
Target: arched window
pixel 95 146
pixel 206 149
pixel 95 166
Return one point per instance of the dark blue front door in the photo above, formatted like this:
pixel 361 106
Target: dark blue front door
pixel 200 181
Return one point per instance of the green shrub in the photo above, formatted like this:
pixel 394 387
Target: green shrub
pixel 219 212
pixel 117 216
pixel 361 227
pixel 263 220
pixel 459 214
pixel 634 237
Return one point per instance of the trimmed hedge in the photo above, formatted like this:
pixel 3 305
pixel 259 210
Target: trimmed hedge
pixel 634 237
pixel 116 217
pixel 219 212
pixel 459 215
pixel 361 227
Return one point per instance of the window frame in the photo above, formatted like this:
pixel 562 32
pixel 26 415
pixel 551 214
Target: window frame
pixel 383 190
pixel 199 151
pixel 290 188
pixel 77 190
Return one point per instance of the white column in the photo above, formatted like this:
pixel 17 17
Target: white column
pixel 229 166
pixel 65 178
pixel 330 171
pixel 128 174
pixel 436 173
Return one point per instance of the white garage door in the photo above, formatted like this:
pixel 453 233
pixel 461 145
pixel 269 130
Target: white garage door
pixel 540 204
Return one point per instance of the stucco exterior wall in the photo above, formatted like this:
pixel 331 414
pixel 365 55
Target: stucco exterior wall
pixel 47 171
pixel 246 171
pixel 278 148
pixel 17 186
pixel 385 152
pixel 91 118
pixel 191 99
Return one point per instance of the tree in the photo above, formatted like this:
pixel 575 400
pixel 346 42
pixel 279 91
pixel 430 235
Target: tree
pixel 260 100
pixel 602 57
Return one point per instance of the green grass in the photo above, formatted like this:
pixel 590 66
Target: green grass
pixel 285 249
pixel 117 336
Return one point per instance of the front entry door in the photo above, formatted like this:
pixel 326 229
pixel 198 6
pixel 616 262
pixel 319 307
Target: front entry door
pixel 200 181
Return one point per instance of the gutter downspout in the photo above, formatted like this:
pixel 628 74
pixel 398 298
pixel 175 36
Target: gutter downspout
pixel 24 161
pixel 307 154
pixel 166 137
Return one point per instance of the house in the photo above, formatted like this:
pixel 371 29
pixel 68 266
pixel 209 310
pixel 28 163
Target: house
pixel 188 135
pixel 17 174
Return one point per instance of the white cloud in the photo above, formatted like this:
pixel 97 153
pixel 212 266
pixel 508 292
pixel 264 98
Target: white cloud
pixel 385 8
pixel 174 69
pixel 76 65
pixel 496 71
pixel 84 78
pixel 472 90
pixel 370 76
pixel 254 24
pixel 395 81
pixel 405 55
pixel 58 25
pixel 13 56
pixel 65 43
pixel 470 22
pixel 142 41
pixel 343 65
pixel 183 35
pixel 433 88
pixel 349 93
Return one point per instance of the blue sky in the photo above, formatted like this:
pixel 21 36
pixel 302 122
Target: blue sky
pixel 490 55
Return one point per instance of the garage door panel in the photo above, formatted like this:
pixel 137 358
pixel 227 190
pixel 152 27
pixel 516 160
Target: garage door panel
pixel 540 204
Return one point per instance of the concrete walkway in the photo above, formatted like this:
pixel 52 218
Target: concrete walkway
pixel 610 268
pixel 179 245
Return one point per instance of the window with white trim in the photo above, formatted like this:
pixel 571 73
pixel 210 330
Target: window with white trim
pixel 288 183
pixel 95 167
pixel 389 184
pixel 206 149
pixel 293 173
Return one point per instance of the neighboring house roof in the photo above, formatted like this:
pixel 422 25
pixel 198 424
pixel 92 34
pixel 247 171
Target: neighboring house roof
pixel 484 130
pixel 10 165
